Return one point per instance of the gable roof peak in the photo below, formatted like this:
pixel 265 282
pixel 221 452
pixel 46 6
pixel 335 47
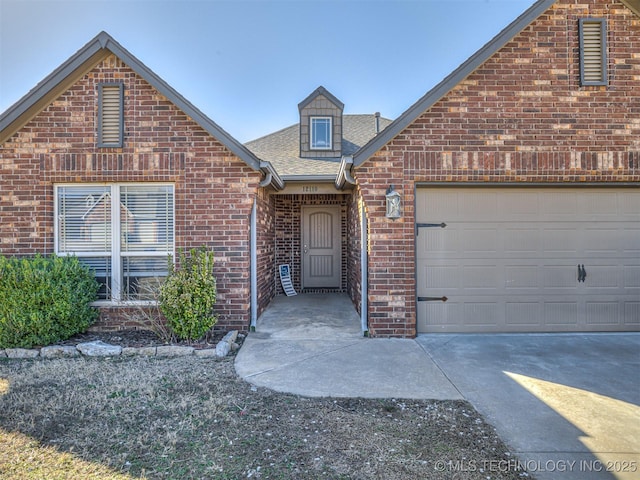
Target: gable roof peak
pixel 453 79
pixel 86 58
pixel 324 92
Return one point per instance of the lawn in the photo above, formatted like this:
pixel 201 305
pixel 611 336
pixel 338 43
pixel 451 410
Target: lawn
pixel 193 418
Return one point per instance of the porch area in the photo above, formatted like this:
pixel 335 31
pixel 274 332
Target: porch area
pixel 313 316
pixel 313 345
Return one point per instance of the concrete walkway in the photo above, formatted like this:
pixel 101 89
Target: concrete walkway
pixel 567 404
pixel 312 345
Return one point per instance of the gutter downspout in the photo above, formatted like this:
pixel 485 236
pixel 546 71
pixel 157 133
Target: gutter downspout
pixel 364 280
pixel 254 266
pixel 271 177
pixel 344 173
pixel 266 181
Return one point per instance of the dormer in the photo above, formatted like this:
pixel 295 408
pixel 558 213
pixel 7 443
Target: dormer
pixel 320 125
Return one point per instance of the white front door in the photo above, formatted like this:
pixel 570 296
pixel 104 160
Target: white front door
pixel 321 247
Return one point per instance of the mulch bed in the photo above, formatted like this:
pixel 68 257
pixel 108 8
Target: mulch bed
pixel 145 338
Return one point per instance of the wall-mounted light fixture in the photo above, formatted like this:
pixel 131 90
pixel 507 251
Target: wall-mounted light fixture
pixel 393 203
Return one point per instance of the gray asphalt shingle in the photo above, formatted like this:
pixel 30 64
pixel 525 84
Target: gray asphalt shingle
pixel 282 148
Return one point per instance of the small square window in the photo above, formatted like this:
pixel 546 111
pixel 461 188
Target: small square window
pixel 320 133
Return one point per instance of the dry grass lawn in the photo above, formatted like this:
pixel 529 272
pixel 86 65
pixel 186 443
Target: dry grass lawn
pixel 193 418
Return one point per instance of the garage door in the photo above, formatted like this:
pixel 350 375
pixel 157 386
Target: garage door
pixel 528 259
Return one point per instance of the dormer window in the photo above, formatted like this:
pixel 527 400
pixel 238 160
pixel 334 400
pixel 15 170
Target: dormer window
pixel 320 133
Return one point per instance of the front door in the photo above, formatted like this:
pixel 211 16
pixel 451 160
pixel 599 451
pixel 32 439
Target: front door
pixel 321 247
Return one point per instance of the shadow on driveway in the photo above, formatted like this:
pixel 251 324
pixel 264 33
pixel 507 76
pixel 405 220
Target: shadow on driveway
pixel 568 404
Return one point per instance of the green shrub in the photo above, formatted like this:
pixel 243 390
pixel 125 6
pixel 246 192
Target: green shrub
pixel 188 295
pixel 44 300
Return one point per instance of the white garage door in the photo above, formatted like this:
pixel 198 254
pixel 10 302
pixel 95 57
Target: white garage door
pixel 528 259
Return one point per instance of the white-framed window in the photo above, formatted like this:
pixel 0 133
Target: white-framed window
pixel 125 242
pixel 320 134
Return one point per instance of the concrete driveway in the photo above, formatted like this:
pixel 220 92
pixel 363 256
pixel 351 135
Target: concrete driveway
pixel 568 404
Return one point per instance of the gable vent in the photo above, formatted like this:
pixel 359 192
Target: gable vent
pixel 110 118
pixel 593 52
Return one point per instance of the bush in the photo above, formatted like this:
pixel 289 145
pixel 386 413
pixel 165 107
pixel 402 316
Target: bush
pixel 44 300
pixel 188 295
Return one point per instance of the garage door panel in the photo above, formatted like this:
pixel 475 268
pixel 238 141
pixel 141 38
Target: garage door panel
pixel 480 278
pixel 603 277
pixel 560 277
pixel 521 241
pixel 631 277
pixel 561 313
pixel 514 267
pixel 523 314
pixel 446 277
pixel 601 203
pixel 520 205
pixel 435 316
pixel 629 208
pixel 607 240
pixel 560 241
pixel 631 242
pixel 521 277
pixel 558 205
pixel 482 313
pixel 602 313
pixel 445 204
pixel 477 206
pixel 632 314
pixel 480 241
pixel 435 239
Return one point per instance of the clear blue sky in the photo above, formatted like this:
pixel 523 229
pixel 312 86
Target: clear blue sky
pixel 248 63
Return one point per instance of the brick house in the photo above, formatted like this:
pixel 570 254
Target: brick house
pixel 529 153
pixel 103 126
pixel 505 199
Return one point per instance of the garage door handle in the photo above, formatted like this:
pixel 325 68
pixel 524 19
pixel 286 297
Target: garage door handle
pixel 433 299
pixel 429 225
pixel 582 273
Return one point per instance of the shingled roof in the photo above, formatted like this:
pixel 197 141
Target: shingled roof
pixel 282 148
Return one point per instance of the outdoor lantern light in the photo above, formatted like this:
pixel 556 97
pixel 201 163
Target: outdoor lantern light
pixel 393 203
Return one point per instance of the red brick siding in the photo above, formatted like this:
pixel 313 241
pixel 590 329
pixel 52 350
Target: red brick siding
pixel 214 190
pixel 266 249
pixel 354 284
pixel 521 117
pixel 288 211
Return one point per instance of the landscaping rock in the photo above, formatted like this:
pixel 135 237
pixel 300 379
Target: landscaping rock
pixel 230 337
pixel 99 349
pixel 206 352
pixel 59 351
pixel 173 351
pixel 145 351
pixel 3 354
pixel 223 348
pixel 22 352
pixel 227 344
